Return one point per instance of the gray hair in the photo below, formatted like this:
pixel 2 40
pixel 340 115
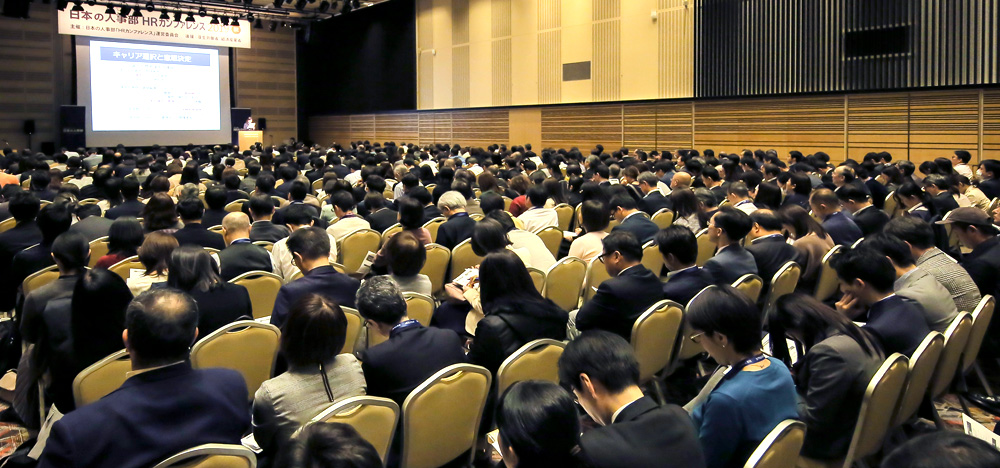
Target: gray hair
pixel 649 178
pixel 379 299
pixel 452 200
pixel 188 191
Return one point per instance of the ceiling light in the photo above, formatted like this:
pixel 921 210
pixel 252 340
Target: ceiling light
pixel 137 13
pixel 250 16
pixel 215 20
pixel 164 15
pixel 125 10
pixel 150 7
pixel 235 21
pixel 225 20
pixel 190 18
pixel 202 12
pixel 324 6
pixel 300 5
pixel 178 16
pixel 258 24
pixel 77 7
pixel 110 10
pixel 278 3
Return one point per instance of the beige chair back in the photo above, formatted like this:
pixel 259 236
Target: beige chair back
pixel 355 326
pixel 507 201
pixel 388 193
pixel 39 278
pixel 922 364
pixel 353 247
pixel 663 218
pixel 212 456
pixel 98 249
pixel 245 346
pixel 652 258
pixel 751 285
pixel 268 246
pixel 462 258
pixel 784 282
pixel 477 216
pixel 654 337
pixel 317 184
pixel 419 307
pixel 433 225
pixel 780 449
pixel 216 229
pixel 565 214
pixel 89 201
pixel 7 224
pixel 101 378
pixel 436 266
pixel 564 282
pixel 688 347
pixel 536 360
pixel 281 201
pixel 374 418
pixel 706 248
pixel 891 206
pixel 441 416
pixel 981 318
pixel 992 208
pixel 263 288
pixel 391 231
pixel 826 283
pixel 537 277
pixel 124 268
pixel 877 408
pixel 596 274
pixel 235 206
pixel 551 236
pixel 955 339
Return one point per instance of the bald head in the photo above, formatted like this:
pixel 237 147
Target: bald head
pixel 823 202
pixel 235 226
pixel 161 325
pixel 681 180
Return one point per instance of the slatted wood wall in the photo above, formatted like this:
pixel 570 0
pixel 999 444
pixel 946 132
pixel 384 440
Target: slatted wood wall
pixel 30 61
pixel 918 125
pixel 265 82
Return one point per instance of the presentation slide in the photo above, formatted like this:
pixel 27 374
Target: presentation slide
pixel 139 93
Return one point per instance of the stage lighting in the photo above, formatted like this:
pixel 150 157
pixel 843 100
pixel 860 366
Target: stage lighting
pixel 272 26
pixel 215 20
pixel 235 21
pixel 150 7
pixel 190 18
pixel 324 6
pixel 137 13
pixel 91 2
pixel 110 10
pixel 250 16
pixel 278 3
pixel 225 20
pixel 77 7
pixel 258 24
pixel 164 15
pixel 178 16
pixel 125 10
pixel 300 5
pixel 202 12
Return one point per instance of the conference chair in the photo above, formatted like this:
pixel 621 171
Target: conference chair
pixel 246 346
pixel 433 225
pixel 88 201
pixel 419 307
pixel 507 201
pixel 352 248
pixel 355 325
pixel 827 283
pixel 436 266
pixel 891 205
pixel 538 278
pixel 430 187
pixel 875 416
pixel 462 258
pixel 994 204
pixel 596 274
pixel 922 365
pixel 212 456
pixel 101 378
pixel 955 339
pixel 981 318
pixel 688 348
pixel 441 416
pixel 654 339
pixel 652 258
pixel 268 246
pixel 536 360
pixel 565 214
pixel 391 231
pixel 39 278
pixel 235 206
pixel 124 268
pixel 374 418
pixel 476 216
pixel 706 248
pixel 317 185
pixel 784 282
pixel 577 217
pixel 263 288
pixel 281 201
pixel 564 282
pixel 663 218
pixel 751 285
pixel 7 224
pixel 552 237
pixel 388 193
pixel 216 229
pixel 98 249
pixel 780 449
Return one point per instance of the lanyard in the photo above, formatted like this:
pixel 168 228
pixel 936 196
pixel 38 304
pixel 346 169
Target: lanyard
pixel 741 365
pixel 403 326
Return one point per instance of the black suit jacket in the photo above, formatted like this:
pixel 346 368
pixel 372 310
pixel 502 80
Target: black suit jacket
pixel 382 219
pixel 129 209
pixel 151 417
pixel 796 199
pixel 92 227
pixel 645 435
pixel 268 231
pixel 197 234
pixel 213 217
pixel 642 227
pixel 220 306
pixel 431 212
pixel 241 258
pixel 983 265
pixel 279 215
pixel 990 188
pixel 411 355
pixel 323 280
pixel 619 301
pixel 898 323
pixel 770 254
pixel 842 229
pixel 18 238
pixel 653 202
pixel 943 203
pixel 878 192
pixel 683 285
pixel 457 229
pixel 871 219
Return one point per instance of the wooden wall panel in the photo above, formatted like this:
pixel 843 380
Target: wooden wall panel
pixel 878 121
pixel 941 122
pixel 397 127
pixel 326 130
pixel 270 94
pixel 991 124
pixel 639 126
pixel 674 125
pixel 480 128
pixel 582 126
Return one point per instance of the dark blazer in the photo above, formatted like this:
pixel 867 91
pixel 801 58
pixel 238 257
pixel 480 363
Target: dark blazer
pixel 683 285
pixel 842 229
pixel 730 263
pixel 770 254
pixel 233 195
pixel 796 199
pixel 509 324
pixel 457 229
pixel 411 355
pixel 279 215
pixel 645 435
pixel 619 301
pixel 323 280
pixel 990 188
pixel 18 238
pixel 220 306
pixel 198 235
pixel 128 209
pixel 268 231
pixel 213 217
pixel 943 203
pixel 983 265
pixel 653 202
pixel 431 212
pixel 382 219
pixel 878 192
pixel 642 227
pixel 898 323
pixel 92 227
pixel 871 219
pixel 29 261
pixel 151 417
pixel 240 258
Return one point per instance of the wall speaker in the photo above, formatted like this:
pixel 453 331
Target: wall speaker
pixel 262 123
pixel 29 126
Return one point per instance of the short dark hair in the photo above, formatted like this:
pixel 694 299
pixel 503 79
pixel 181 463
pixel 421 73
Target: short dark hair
pixel 767 219
pixel 314 332
pixel 54 219
pixel 867 265
pixel 537 195
pixel 298 190
pixel 943 449
pixel 851 193
pixel 406 255
pixel 343 200
pixel 298 214
pixel 130 188
pixel 890 246
pixel 680 241
pixel 24 206
pixel 963 156
pixel 734 222
pixel 488 236
pixel 595 215
pixel 739 189
pixel 916 231
pixel 330 445
pixel 411 213
pixel 161 324
pixel 72 250
pixel 824 196
pixel 539 421
pixel 724 309
pixel 190 209
pixel 261 205
pixel 801 183
pixel 379 300
pixel 604 356
pixel 625 243
pixel 310 242
pixel 623 201
pixel 215 197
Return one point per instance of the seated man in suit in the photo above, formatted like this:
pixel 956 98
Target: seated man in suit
pixel 731 261
pixel 769 248
pixel 297 193
pixel 679 248
pixel 538 216
pixel 866 278
pixel 868 218
pixel 938 186
pixel 53 220
pixel 297 217
pixel 193 232
pixel 625 209
pixel 975 230
pixel 24 207
pixel 652 199
pixel 347 220
pixel 459 225
pixel 620 300
pixel 411 352
pixel 90 222
pixel 310 248
pixel 215 198
pixel 241 255
pixel 262 229
pixel 71 253
pixel 603 374
pixel 164 406
pixel 797 190
pixel 380 214
pixel 131 207
pixel 826 206
pixel 738 195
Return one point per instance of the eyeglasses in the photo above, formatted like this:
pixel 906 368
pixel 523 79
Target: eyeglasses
pixel 600 257
pixel 697 337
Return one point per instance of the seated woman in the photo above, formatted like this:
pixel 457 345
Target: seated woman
pixel 832 376
pixel 317 374
pixel 686 209
pixel 411 219
pixel 594 217
pixel 754 395
pixel 154 254
pixel 160 214
pixel 124 238
pixel 539 426
pixel 406 256
pixel 193 271
pixel 330 444
pixel 808 237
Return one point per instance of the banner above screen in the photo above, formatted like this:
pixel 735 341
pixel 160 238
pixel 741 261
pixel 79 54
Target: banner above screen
pixel 94 21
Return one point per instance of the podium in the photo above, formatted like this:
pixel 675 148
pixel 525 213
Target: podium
pixel 250 137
